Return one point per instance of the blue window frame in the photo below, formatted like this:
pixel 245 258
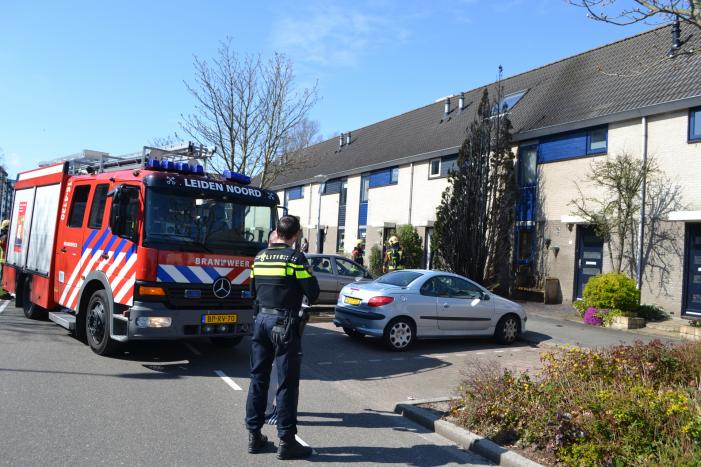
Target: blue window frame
pixel 389 176
pixel 695 124
pixel 296 192
pixel 580 143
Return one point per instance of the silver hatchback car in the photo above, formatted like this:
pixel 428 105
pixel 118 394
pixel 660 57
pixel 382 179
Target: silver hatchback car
pixel 406 305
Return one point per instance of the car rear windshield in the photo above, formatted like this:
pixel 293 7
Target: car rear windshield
pixel 399 278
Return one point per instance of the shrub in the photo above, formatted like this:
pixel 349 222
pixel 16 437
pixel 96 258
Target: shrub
pixel 608 315
pixel 412 246
pixel 591 317
pixel 611 291
pixel 580 307
pixel 375 261
pixel 634 404
pixel 651 313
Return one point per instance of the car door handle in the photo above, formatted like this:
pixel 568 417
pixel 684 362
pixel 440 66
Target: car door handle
pixel 445 305
pixel 63 249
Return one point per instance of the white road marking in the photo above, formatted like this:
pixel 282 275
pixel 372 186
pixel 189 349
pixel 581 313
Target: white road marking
pixel 516 350
pixel 350 361
pixel 193 349
pixel 375 360
pixel 228 380
pixel 460 355
pixel 439 356
pixel 4 305
pixel 324 363
pixel 498 351
pixel 479 353
pixel 303 443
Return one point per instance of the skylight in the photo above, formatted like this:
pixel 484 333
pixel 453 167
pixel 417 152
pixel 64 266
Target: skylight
pixel 508 102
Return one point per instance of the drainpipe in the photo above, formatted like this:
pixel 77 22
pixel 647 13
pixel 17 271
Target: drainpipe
pixel 641 223
pixel 411 191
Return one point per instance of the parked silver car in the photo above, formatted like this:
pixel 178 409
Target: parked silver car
pixel 402 306
pixel 333 273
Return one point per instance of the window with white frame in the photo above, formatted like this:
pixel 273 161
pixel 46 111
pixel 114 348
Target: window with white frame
pixel 441 167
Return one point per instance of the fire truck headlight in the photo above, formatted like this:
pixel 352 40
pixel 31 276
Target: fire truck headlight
pixel 153 322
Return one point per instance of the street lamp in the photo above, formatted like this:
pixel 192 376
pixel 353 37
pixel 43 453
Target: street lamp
pixel 321 179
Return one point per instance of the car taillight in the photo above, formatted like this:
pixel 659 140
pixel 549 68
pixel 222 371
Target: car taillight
pixel 380 301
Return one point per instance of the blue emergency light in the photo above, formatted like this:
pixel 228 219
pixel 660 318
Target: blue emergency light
pixel 182 167
pixel 237 177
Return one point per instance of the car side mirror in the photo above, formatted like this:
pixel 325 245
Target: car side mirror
pixel 484 296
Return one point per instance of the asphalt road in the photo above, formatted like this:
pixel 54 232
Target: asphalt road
pixel 180 403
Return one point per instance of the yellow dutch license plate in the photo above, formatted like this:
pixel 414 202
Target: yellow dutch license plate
pixel 352 300
pixel 219 319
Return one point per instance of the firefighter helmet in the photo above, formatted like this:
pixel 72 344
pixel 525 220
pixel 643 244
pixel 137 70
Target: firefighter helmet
pixel 5 224
pixel 393 240
pixel 360 242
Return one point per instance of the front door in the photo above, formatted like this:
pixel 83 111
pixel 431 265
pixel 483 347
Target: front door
pixel 459 305
pixel 692 306
pixel 73 246
pixel 590 255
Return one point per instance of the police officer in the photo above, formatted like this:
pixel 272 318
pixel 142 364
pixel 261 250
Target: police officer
pixel 280 278
pixel 394 257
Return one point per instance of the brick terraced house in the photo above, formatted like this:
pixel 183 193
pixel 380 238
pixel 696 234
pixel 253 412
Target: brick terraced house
pixel 642 93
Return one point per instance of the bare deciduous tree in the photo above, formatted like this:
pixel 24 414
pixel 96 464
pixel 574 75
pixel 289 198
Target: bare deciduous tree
pixel 636 11
pixel 615 213
pixel 249 109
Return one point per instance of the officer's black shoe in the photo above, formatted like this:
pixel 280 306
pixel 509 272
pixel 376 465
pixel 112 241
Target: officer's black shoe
pixel 291 449
pixel 257 442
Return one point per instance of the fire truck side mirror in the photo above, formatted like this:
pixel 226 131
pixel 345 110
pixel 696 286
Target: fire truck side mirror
pixel 120 224
pixel 117 212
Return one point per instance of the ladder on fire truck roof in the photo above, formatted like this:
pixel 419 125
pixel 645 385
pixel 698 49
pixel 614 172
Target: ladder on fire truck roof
pixel 89 161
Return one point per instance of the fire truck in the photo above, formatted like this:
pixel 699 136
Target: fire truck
pixel 142 247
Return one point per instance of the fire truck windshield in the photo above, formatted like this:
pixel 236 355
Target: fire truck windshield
pixel 189 221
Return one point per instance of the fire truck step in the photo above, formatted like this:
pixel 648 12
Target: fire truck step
pixel 63 319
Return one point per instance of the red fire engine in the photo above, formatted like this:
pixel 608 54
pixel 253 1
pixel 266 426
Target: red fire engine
pixel 138 248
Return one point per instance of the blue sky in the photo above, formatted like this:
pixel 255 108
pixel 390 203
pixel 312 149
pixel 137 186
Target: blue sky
pixel 109 75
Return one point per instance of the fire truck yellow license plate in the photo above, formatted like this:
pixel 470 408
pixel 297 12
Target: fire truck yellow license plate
pixel 352 300
pixel 219 319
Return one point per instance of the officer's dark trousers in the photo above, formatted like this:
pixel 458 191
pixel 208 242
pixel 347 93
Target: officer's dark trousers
pixel 288 360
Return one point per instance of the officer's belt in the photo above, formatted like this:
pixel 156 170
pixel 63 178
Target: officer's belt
pixel 275 312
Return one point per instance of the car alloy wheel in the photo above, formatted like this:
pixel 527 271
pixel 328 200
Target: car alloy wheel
pixel 510 330
pixel 400 335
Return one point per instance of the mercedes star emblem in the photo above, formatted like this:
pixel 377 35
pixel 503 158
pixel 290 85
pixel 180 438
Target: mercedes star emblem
pixel 221 287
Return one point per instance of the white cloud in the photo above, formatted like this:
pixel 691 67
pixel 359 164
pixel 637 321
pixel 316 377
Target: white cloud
pixel 322 34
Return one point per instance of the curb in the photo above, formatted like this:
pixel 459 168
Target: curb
pixel 460 436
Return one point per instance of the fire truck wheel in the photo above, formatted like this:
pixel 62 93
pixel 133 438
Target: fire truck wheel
pixel 97 325
pixel 31 310
pixel 225 341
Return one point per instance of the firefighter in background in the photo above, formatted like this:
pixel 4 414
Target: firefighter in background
pixel 359 252
pixel 394 256
pixel 3 239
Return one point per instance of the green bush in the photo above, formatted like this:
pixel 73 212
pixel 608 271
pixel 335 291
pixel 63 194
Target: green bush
pixel 634 404
pixel 580 307
pixel 611 291
pixel 652 313
pixel 412 246
pixel 375 261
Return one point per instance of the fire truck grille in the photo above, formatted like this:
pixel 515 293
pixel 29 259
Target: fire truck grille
pixel 177 297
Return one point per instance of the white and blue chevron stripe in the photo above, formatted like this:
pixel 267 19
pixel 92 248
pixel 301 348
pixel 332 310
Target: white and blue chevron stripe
pixel 197 274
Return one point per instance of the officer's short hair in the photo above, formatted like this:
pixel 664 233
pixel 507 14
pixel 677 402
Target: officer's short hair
pixel 287 227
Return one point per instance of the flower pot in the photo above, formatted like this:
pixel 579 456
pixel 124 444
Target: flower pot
pixel 627 322
pixel 690 333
